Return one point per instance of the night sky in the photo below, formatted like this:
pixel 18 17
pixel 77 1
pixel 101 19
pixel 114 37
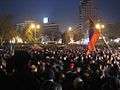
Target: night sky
pixel 61 11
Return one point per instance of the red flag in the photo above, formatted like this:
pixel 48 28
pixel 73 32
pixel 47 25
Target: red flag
pixel 93 35
pixel 93 40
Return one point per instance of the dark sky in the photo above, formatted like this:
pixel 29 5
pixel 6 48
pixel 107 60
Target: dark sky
pixel 62 11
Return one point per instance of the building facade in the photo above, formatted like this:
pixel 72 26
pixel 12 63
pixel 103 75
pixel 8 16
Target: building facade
pixel 52 31
pixel 88 16
pixel 21 26
pixel 87 10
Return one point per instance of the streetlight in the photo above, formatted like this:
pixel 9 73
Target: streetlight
pixel 102 26
pixel 70 28
pixel 70 34
pixel 99 26
pixel 38 26
pixel 32 25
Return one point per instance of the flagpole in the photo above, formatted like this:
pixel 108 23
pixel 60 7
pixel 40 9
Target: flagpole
pixel 106 43
pixel 98 27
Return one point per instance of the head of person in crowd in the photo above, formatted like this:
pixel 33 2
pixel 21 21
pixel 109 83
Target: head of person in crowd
pixel 21 59
pixel 50 75
pixel 78 83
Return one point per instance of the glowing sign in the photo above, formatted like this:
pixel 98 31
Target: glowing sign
pixel 45 20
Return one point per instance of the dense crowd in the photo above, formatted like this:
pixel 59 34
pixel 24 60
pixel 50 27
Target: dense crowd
pixel 60 68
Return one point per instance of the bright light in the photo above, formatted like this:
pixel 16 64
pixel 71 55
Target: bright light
pixel 100 37
pixel 38 26
pixel 85 41
pixel 71 36
pixel 70 28
pixel 32 25
pixel 16 39
pixel 60 41
pixel 45 20
pixel 98 26
pixel 25 42
pixel 10 41
pixel 78 42
pixel 13 40
pixel 19 40
pixel 102 26
pixel 71 40
pixel 117 40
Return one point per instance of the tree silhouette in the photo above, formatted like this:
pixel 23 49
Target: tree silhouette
pixel 7 29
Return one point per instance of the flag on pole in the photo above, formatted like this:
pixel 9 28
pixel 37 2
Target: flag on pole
pixel 93 41
pixel 93 35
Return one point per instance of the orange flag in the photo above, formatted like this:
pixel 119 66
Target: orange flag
pixel 93 41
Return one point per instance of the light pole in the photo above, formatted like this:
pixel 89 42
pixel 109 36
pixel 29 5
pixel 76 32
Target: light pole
pixel 70 34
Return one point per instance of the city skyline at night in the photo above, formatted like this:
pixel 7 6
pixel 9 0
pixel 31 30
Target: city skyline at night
pixel 63 11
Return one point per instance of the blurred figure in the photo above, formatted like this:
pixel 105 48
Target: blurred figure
pixel 21 78
pixel 50 84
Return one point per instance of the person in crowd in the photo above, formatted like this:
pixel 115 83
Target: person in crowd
pixel 49 83
pixel 21 79
pixel 66 68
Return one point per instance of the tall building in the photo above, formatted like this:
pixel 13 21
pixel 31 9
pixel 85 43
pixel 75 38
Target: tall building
pixel 87 10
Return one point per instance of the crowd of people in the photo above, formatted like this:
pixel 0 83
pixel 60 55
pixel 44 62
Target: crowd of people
pixel 60 68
